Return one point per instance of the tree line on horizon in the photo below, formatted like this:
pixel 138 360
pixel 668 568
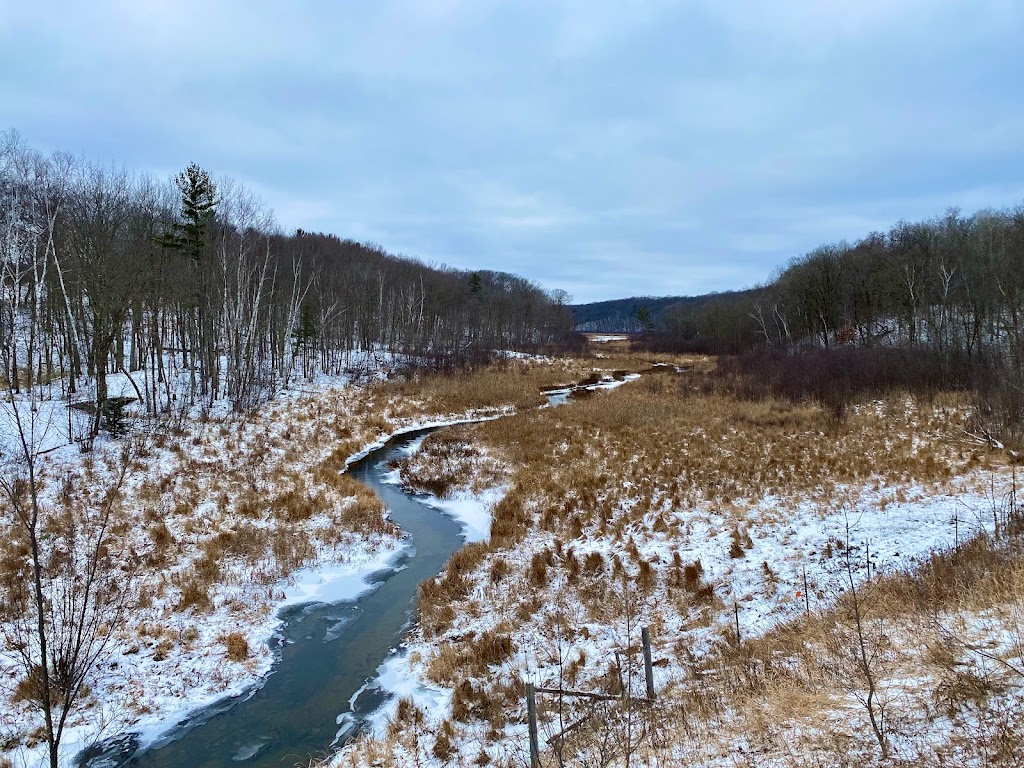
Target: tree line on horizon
pixel 953 284
pixel 925 305
pixel 191 280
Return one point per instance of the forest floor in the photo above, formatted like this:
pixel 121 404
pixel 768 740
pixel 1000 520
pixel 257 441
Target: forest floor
pixel 229 519
pixel 820 590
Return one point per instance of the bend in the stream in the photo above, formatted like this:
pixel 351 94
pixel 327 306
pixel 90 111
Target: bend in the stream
pixel 327 652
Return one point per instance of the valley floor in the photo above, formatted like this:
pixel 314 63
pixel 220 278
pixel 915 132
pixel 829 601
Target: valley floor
pixel 226 520
pixel 667 503
pixel 671 504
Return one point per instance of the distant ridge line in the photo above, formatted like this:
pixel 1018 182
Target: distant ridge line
pixel 620 315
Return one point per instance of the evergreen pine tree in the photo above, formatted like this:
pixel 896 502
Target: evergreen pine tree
pixel 198 205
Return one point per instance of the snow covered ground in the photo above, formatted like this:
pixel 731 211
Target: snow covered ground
pixel 761 585
pixel 172 660
pixel 897 535
pixel 207 489
pixel 165 692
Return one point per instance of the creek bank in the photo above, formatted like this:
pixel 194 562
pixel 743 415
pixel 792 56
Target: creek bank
pixel 331 650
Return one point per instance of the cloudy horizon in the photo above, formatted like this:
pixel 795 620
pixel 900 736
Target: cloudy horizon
pixel 607 149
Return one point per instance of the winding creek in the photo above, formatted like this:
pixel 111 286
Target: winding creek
pixel 327 652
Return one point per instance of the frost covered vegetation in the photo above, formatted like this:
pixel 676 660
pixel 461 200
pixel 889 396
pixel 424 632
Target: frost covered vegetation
pixel 213 523
pixel 154 497
pixel 821 587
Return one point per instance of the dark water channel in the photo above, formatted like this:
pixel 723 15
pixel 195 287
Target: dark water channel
pixel 327 652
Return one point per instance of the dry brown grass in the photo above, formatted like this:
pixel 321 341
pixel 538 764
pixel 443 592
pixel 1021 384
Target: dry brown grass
pixel 265 493
pixel 515 383
pixel 277 483
pixel 265 496
pixel 437 596
pixel 620 460
pixel 617 467
pixel 194 595
pixel 470 656
pixel 945 644
pixel 236 647
pixel 792 697
pixel 451 462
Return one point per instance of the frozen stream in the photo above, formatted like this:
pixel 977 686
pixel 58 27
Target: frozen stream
pixel 327 652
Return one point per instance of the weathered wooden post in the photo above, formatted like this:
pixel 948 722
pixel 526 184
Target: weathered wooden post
pixel 531 716
pixel 1011 497
pixel 736 615
pixel 645 638
pixel 807 599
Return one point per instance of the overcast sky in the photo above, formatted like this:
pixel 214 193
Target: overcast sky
pixel 607 148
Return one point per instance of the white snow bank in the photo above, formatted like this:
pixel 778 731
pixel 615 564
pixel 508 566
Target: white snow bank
pixel 399 678
pixel 339 582
pixel 471 511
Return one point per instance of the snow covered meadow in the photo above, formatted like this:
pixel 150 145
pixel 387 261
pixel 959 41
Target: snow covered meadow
pixel 699 516
pixel 662 503
pixel 224 520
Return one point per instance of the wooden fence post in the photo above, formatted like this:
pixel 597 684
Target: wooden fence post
pixel 645 638
pixel 736 614
pixel 807 599
pixel 531 714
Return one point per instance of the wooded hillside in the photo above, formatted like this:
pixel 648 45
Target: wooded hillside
pixel 191 288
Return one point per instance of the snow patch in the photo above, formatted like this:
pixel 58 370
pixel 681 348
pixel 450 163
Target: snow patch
pixel 471 511
pixel 340 582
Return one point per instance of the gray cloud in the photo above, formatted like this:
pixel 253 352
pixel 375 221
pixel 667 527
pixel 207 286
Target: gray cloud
pixel 605 148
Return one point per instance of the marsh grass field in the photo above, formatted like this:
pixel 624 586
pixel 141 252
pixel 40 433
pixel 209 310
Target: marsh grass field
pixel 821 588
pixel 220 519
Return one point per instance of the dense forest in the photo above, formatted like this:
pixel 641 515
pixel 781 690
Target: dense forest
pixel 189 288
pixel 953 284
pixel 640 314
pixel 927 305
